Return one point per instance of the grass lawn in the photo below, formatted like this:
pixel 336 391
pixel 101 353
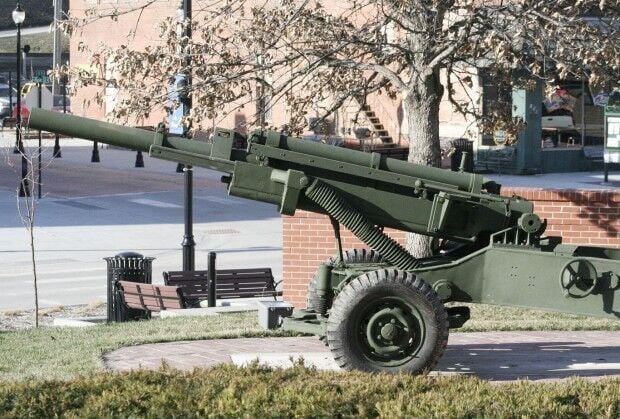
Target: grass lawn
pixel 64 353
pixel 485 318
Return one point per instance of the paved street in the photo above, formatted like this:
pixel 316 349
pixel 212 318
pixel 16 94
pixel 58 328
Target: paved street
pixel 93 210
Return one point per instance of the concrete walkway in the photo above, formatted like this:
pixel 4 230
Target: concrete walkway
pixel 497 356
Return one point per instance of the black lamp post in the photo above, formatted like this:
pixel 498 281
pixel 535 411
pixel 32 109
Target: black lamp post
pixel 18 17
pixel 188 243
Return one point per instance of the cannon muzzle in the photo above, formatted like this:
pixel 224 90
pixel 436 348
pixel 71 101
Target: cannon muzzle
pixel 90 129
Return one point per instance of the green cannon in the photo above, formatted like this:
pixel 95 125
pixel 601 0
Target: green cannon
pixel 380 308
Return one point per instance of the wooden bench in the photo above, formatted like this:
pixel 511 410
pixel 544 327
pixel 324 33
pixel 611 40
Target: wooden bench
pixel 230 283
pixel 151 297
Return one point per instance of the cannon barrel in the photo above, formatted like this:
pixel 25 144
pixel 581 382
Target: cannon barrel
pixel 105 132
pixel 299 174
pixel 466 182
pixel 141 140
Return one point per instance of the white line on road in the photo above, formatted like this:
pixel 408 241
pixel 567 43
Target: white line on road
pixel 64 291
pixel 218 200
pixel 70 271
pixel 41 281
pixel 154 203
pixel 595 366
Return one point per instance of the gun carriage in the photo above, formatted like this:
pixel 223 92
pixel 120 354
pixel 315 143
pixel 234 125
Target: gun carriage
pixel 380 308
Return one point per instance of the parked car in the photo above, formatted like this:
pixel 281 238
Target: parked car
pixel 5 105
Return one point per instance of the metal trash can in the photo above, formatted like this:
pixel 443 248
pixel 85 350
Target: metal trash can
pixel 127 266
pixel 461 145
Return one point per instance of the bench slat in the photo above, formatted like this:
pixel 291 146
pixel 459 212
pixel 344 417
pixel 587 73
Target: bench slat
pixel 254 291
pixel 219 271
pixel 221 278
pixel 223 283
pixel 169 293
pixel 151 297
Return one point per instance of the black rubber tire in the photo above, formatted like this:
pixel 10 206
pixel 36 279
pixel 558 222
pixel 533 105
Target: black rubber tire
pixel 345 325
pixel 350 256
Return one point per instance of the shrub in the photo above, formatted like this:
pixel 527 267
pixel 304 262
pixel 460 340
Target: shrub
pixel 228 391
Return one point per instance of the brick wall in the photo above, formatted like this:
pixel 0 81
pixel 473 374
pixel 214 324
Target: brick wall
pixel 580 217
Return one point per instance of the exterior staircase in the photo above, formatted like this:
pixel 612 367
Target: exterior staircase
pixel 385 143
pixel 377 127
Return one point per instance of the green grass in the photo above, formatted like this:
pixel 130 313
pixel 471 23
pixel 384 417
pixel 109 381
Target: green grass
pixel 64 353
pixel 486 318
pixel 39 42
pixel 228 391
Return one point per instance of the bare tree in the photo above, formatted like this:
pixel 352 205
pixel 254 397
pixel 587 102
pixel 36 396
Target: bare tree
pixel 26 207
pixel 27 210
pixel 333 51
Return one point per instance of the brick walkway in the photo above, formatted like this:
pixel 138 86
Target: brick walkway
pixel 496 356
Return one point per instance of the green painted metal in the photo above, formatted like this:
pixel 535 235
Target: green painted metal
pixel 526 105
pixel 497 252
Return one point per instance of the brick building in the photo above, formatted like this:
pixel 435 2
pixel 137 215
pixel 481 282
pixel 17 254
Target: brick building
pixel 549 144
pixel 139 29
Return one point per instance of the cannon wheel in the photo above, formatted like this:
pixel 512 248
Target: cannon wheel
pixel 350 256
pixel 387 321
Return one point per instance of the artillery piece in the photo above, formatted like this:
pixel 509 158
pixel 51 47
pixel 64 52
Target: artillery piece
pixel 381 309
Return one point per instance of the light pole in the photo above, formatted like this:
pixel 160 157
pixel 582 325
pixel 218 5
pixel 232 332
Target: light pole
pixel 188 243
pixel 18 17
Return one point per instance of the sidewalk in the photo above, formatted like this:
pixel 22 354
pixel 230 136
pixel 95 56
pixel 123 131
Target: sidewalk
pixel 496 356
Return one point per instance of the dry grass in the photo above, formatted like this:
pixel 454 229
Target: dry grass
pixel 11 313
pixel 255 392
pixel 48 311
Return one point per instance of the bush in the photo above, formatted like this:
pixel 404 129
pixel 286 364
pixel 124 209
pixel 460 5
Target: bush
pixel 228 391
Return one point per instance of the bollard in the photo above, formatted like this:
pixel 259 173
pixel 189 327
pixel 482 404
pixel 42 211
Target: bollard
pixel 211 279
pixel 139 159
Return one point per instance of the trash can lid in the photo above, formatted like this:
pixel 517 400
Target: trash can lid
pixel 127 255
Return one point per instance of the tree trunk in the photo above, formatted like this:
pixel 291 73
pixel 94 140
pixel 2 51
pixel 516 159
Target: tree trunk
pixel 421 106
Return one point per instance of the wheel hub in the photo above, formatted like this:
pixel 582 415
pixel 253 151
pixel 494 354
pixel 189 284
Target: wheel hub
pixel 391 333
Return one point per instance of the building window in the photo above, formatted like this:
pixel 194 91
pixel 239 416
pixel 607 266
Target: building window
pixel 496 100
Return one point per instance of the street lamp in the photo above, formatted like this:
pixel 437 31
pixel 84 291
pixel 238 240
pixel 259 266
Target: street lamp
pixel 18 17
pixel 189 245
